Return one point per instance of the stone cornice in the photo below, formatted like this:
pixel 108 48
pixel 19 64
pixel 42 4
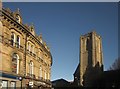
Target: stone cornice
pixel 10 17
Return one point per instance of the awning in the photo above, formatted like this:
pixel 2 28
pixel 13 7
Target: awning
pixel 9 76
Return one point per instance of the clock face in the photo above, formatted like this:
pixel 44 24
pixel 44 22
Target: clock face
pixel 18 18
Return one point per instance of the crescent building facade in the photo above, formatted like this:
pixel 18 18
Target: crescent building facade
pixel 26 59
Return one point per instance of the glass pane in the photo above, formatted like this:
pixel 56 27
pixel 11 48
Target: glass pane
pixel 17 38
pixel 14 56
pixel 4 84
pixel 13 84
pixel 14 63
pixel 12 36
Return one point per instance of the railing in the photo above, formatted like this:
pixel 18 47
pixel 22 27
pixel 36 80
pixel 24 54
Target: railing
pixel 18 46
pixel 31 53
pixel 41 78
pixel 14 44
pixel 9 42
pixel 31 75
pixel 34 55
pixel 39 59
pixel 44 80
pixel 47 81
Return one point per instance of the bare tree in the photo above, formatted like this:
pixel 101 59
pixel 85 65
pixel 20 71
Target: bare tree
pixel 115 65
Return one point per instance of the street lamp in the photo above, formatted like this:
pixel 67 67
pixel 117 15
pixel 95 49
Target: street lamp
pixel 20 78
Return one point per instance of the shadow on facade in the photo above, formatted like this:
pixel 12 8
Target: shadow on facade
pixel 91 74
pixel 108 79
pixel 96 78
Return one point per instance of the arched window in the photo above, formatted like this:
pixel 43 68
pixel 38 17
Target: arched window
pixel 45 75
pixel 31 68
pixel 15 63
pixel 40 71
pixel 12 39
pixel 18 41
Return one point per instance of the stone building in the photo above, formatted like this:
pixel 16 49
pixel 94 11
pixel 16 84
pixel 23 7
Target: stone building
pixel 91 59
pixel 25 58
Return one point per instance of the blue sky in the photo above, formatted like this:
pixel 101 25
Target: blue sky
pixel 61 25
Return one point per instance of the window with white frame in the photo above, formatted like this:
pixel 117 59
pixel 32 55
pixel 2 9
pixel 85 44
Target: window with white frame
pixel 18 41
pixel 15 63
pixel 45 75
pixel 12 39
pixel 31 68
pixel 40 71
pixel 4 84
pixel 29 47
pixel 12 85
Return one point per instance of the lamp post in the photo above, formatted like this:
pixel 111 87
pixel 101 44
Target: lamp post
pixel 20 78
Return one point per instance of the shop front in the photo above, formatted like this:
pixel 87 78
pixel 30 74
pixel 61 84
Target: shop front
pixel 9 80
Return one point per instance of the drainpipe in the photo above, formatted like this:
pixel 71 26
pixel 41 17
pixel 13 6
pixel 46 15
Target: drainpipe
pixel 25 54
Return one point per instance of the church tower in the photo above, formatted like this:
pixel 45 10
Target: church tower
pixel 91 58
